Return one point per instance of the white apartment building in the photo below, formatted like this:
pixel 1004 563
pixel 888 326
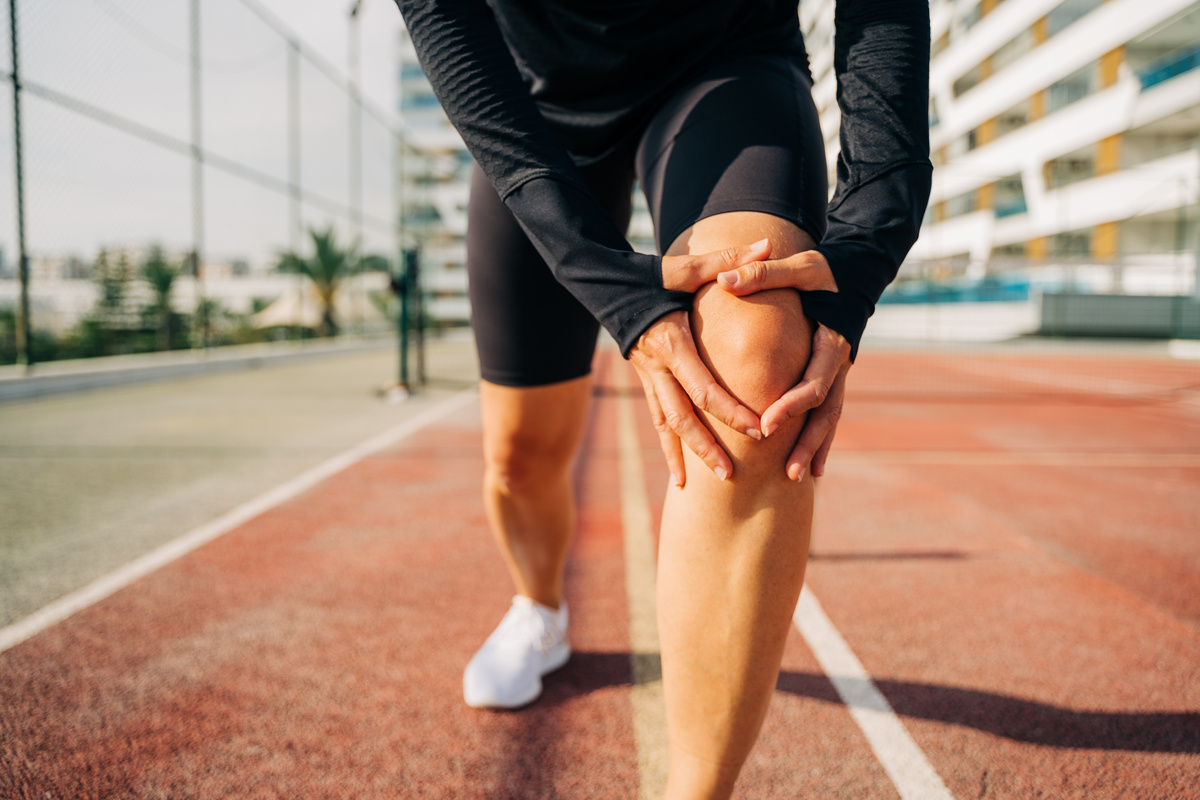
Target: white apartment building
pixel 1061 131
pixel 435 171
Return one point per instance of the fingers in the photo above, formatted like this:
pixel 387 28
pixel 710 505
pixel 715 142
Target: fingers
pixel 819 376
pixel 807 271
pixel 689 273
pixel 819 394
pixel 667 439
pixel 816 436
pixel 706 394
pixel 680 417
pixel 667 357
pixel 818 461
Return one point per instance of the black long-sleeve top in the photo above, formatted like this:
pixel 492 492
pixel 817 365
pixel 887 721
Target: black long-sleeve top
pixel 538 86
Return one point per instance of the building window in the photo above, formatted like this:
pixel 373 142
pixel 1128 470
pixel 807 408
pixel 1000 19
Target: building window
pixel 968 81
pixel 962 144
pixel 1070 244
pixel 963 204
pixel 1068 13
pixel 1017 250
pixel 972 17
pixel 1010 196
pixel 1072 88
pixel 1016 117
pixel 417 101
pixel 1070 168
pixel 1012 50
pixel 422 215
pixel 938 46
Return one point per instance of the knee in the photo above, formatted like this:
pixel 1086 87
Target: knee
pixel 521 461
pixel 756 346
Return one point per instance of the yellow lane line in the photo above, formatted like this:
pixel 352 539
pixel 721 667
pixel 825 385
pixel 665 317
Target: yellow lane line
pixel 649 713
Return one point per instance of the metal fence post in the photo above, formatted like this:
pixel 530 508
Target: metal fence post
pixel 24 333
pixel 198 174
pixel 404 284
pixel 296 221
pixel 417 296
pixel 353 48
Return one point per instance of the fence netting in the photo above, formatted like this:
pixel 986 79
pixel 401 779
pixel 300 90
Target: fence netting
pixel 124 159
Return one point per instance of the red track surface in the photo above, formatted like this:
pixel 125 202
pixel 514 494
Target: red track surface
pixel 1037 627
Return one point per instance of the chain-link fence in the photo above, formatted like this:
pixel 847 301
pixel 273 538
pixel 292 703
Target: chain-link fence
pixel 201 133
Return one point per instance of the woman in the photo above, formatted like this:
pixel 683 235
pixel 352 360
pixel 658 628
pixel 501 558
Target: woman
pixel 563 104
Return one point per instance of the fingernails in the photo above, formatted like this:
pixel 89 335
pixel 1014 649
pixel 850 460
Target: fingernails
pixel 799 475
pixel 721 473
pixel 768 430
pixel 754 434
pixel 675 480
pixel 728 278
pixel 760 244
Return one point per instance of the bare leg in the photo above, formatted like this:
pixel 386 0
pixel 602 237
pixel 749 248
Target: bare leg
pixel 732 554
pixel 529 438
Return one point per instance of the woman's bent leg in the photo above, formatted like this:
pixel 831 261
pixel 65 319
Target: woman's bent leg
pixel 732 554
pixel 530 435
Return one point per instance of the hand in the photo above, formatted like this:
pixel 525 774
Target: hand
pixel 822 390
pixel 675 379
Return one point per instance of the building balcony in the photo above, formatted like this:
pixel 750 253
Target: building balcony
pixel 1172 66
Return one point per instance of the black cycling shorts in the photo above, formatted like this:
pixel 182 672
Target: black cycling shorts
pixel 743 136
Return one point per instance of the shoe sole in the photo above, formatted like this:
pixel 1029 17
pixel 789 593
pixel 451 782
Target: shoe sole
pixel 557 661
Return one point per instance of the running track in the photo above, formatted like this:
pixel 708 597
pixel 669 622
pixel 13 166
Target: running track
pixel 1007 558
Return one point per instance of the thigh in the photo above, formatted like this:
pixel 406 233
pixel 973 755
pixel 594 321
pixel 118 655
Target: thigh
pixel 529 330
pixel 742 137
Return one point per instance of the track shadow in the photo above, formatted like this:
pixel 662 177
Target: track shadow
pixel 1002 715
pixel 946 555
pixel 1023 720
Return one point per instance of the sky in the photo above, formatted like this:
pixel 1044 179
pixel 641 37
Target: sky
pixel 90 186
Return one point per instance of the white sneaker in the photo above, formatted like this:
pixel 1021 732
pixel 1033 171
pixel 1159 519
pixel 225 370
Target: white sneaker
pixel 507 671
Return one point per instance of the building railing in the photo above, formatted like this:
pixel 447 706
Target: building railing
pixel 1174 64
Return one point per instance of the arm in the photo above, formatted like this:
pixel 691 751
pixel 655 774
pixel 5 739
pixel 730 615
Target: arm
pixel 881 57
pixel 477 82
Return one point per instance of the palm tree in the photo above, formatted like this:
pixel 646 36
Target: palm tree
pixel 326 268
pixel 161 277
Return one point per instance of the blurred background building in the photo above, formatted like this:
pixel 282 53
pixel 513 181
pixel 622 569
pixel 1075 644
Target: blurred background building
pixel 1065 136
pixel 435 173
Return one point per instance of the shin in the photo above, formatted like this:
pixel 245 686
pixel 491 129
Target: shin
pixel 732 553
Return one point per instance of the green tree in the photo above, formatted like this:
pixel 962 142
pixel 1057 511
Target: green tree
pixel 161 276
pixel 112 277
pixel 329 265
pixel 105 330
pixel 207 319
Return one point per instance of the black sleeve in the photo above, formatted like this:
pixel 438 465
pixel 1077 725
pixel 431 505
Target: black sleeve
pixel 475 78
pixel 881 58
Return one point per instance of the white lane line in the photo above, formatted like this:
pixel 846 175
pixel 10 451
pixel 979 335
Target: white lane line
pixel 1183 348
pixel 121 577
pixel 649 710
pixel 912 774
